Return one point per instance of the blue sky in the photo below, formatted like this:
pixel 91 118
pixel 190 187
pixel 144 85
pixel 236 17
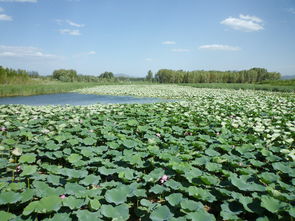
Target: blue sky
pixel 134 36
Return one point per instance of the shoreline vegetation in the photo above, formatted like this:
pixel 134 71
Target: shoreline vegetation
pixel 23 83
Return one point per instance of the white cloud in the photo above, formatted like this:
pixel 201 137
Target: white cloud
pixel 245 23
pixel 71 23
pixel 148 59
pixel 23 52
pixel 33 1
pixel 4 17
pixel 75 32
pixel 91 53
pixel 219 47
pixel 180 50
pixel 168 42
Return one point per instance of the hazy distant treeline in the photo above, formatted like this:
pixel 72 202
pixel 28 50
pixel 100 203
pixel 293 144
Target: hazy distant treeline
pixel 246 76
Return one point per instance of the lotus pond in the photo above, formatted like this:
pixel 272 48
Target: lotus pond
pixel 216 155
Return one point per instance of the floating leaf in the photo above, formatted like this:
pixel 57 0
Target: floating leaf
pixel 116 196
pixel 72 202
pixel 174 199
pixel 161 213
pixel 28 170
pixel 27 158
pixel 5 216
pixel 201 215
pixel 119 213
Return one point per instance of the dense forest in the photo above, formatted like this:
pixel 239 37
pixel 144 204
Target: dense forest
pixel 253 75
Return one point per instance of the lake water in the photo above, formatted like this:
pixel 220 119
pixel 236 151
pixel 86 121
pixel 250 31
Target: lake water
pixel 76 99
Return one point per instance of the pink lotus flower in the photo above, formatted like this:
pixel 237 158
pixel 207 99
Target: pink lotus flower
pixel 163 179
pixel 3 129
pixel 62 196
pixel 158 135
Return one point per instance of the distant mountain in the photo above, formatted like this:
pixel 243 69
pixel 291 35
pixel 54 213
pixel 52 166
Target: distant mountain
pixel 288 77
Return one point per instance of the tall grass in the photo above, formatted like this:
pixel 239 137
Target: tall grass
pixel 52 87
pixel 41 88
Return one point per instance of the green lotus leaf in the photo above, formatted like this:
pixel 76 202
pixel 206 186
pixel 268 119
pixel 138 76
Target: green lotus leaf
pixel 52 146
pixel 48 204
pixel 73 188
pixel 210 180
pixel 9 197
pixel 84 215
pixel 157 189
pixel 72 202
pixel 60 217
pixel 27 158
pixel 119 213
pixel 30 208
pixel 129 143
pixel 174 198
pixel 16 186
pixel 212 167
pixel 271 204
pixel 190 205
pixel 201 215
pixel 27 195
pixel 90 180
pixel 201 194
pixel 292 212
pixel 117 196
pixel 246 186
pixel 5 216
pixel 10 142
pixel 161 213
pixel 73 158
pixel 28 170
pixel 89 141
pixel 94 204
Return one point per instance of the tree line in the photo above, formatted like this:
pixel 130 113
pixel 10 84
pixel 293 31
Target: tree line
pixel 252 75
pixel 11 76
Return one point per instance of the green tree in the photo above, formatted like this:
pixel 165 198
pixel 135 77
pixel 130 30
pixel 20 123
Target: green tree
pixel 149 76
pixel 65 75
pixel 107 75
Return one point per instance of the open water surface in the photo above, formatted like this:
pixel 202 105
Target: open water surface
pixel 76 99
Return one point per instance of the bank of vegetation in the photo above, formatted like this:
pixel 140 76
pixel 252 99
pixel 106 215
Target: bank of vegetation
pixel 23 83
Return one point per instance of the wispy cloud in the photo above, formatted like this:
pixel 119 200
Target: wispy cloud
pixel 68 22
pixel 4 17
pixel 75 32
pixel 219 47
pixel 71 23
pixel 168 42
pixel 245 23
pixel 23 52
pixel 32 1
pixel 148 59
pixel 180 50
